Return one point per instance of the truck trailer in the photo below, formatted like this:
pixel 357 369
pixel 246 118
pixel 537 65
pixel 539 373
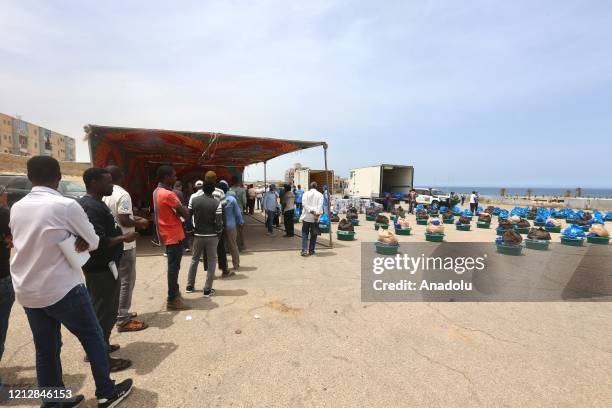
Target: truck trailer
pixel 304 177
pixel 375 181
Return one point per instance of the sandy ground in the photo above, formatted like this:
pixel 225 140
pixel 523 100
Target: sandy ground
pixel 292 331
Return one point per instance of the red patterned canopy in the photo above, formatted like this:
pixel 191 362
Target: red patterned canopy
pixel 140 151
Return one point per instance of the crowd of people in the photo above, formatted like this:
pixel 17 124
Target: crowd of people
pixel 92 300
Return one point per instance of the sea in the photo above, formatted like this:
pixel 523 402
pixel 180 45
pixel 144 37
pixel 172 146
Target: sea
pixel 535 191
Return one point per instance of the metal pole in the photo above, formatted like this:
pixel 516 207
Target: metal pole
pixel 331 244
pixel 265 191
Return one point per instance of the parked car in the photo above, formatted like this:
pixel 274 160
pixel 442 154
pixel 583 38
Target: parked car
pixel 429 196
pixel 18 186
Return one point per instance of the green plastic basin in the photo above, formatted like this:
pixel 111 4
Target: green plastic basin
pixel 421 221
pixel 403 231
pixel 509 249
pixel 572 241
pixel 355 222
pixel 538 244
pixel 484 225
pixel 345 235
pixel 539 223
pixel 386 249
pixel 449 221
pixel 324 228
pixel 524 230
pixel 463 227
pixel 553 229
pixel 434 237
pixel 598 240
pixel 370 218
pixel 377 226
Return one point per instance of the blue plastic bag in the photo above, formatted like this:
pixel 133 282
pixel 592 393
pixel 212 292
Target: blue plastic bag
pixel 503 214
pixel 467 213
pixel 573 232
pixel 443 208
pixel 456 209
pixel 435 222
pixel 324 219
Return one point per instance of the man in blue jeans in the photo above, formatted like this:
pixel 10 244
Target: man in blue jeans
pixel 50 289
pixel 7 295
pixel 312 205
pixel 270 205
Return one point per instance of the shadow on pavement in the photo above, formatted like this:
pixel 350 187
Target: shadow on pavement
pixel 146 356
pixel 231 292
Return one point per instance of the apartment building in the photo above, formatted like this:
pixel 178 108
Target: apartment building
pixel 27 139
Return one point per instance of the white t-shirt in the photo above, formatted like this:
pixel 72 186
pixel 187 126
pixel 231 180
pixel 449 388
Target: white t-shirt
pixel 473 199
pixel 120 202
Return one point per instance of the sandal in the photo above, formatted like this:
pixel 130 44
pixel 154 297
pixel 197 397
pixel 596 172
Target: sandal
pixel 111 349
pixel 132 326
pixel 118 364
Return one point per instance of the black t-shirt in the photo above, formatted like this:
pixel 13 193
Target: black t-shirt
pixel 5 252
pixel 105 226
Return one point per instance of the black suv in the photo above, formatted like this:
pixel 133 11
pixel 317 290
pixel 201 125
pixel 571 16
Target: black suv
pixel 18 186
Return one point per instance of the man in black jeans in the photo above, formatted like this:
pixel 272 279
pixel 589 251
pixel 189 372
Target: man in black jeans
pixel 39 222
pixel 101 270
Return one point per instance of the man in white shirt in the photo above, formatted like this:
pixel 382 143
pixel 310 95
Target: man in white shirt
pixel 51 291
pixel 120 204
pixel 312 208
pixel 473 202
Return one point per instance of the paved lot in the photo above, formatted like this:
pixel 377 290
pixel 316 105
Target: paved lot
pixel 316 344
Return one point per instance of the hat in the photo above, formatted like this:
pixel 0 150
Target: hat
pixel 199 183
pixel 210 175
pixel 224 182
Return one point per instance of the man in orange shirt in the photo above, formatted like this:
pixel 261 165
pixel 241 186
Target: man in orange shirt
pixel 168 212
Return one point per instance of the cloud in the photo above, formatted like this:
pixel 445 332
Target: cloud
pixel 357 74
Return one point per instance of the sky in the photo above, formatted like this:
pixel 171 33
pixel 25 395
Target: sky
pixel 482 93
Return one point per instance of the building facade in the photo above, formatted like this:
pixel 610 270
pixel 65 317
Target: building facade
pixel 27 139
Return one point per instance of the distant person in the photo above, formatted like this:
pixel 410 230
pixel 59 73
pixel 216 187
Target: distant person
pixel 241 198
pixel 270 205
pixel 39 222
pixel 120 205
pixel 259 198
pixel 208 227
pixel 412 200
pixel 462 200
pixel 388 202
pixel 178 190
pixel 102 269
pixel 312 202
pixel 299 192
pixel 288 207
pixel 233 222
pixel 7 295
pixel 168 210
pixel 251 197
pixel 473 202
pixel 325 200
pixel 219 195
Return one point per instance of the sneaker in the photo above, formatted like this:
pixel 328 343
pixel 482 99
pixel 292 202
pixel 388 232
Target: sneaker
pixel 189 289
pixel 312 253
pixel 176 304
pixel 165 254
pixel 304 253
pixel 209 293
pixel 123 390
pixel 228 274
pixel 155 242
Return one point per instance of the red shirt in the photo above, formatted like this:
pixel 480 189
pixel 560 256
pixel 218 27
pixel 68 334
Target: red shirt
pixel 169 225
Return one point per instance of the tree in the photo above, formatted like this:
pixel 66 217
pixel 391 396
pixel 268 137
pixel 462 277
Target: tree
pixel 579 192
pixel 502 192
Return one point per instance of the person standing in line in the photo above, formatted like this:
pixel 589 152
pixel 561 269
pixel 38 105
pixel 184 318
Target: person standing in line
pixel 101 270
pixel 473 202
pixel 299 192
pixel 259 198
pixel 241 198
pixel 412 200
pixel 208 227
pixel 197 193
pixel 50 290
pixel 219 195
pixel 120 205
pixel 7 294
pixel 251 197
pixel 288 205
pixel 270 206
pixel 325 200
pixel 168 210
pixel 234 222
pixel 312 202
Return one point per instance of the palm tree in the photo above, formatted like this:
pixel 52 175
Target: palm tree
pixel 502 192
pixel 529 193
pixel 579 192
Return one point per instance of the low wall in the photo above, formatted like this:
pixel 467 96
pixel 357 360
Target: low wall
pixel 11 163
pixel 603 204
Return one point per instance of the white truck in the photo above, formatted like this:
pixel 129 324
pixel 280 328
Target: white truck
pixel 374 181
